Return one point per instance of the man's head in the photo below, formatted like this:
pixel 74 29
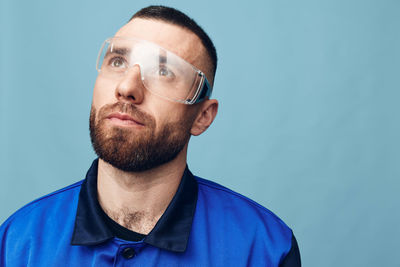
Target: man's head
pixel 134 129
pixel 175 17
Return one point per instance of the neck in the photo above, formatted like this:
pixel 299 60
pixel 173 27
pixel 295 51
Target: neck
pixel 136 200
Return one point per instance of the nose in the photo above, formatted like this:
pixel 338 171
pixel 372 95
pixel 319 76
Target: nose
pixel 130 88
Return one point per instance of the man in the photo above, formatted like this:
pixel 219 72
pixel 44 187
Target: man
pixel 140 204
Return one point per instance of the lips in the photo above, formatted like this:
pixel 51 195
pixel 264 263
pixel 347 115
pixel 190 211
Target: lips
pixel 124 119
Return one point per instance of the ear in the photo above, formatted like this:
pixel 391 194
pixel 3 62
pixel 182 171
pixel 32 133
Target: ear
pixel 205 116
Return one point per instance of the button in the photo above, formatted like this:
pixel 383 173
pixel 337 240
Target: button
pixel 128 253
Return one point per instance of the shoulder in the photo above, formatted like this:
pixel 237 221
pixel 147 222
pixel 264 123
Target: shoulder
pixel 228 198
pixel 234 217
pixel 241 211
pixel 42 209
pixel 38 226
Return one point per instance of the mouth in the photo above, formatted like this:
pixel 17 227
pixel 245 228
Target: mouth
pixel 123 119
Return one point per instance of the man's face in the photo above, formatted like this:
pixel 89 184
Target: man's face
pixel 131 128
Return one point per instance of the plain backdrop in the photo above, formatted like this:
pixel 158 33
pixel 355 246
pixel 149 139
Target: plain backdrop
pixel 308 124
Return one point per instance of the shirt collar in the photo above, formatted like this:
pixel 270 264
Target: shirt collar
pixel 171 231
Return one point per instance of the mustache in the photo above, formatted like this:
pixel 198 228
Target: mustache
pixel 127 108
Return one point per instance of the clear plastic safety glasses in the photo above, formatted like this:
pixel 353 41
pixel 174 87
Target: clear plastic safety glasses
pixel 162 72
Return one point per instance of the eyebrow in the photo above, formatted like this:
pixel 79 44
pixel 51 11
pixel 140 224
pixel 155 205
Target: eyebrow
pixel 162 59
pixel 119 51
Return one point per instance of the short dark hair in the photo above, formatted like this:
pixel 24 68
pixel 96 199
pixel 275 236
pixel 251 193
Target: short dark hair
pixel 176 17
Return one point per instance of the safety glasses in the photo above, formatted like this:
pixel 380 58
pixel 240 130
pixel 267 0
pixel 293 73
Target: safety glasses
pixel 162 72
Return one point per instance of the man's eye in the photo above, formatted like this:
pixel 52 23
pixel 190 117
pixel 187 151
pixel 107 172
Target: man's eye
pixel 117 62
pixel 164 71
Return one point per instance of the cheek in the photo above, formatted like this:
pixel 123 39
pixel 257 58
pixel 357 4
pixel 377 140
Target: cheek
pixel 164 110
pixel 103 92
pixel 167 113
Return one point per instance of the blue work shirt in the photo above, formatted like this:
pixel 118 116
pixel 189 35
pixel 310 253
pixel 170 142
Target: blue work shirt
pixel 205 224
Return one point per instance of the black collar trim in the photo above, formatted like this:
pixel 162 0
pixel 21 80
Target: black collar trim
pixel 171 231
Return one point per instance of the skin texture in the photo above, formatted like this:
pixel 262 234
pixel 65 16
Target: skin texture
pixel 137 199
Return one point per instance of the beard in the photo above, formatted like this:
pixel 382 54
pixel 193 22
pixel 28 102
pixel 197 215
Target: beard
pixel 135 150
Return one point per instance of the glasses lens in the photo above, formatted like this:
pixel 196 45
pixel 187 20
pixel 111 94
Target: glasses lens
pixel 113 58
pixel 162 72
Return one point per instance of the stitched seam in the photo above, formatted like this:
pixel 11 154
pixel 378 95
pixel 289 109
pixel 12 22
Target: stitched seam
pixel 248 200
pixel 31 205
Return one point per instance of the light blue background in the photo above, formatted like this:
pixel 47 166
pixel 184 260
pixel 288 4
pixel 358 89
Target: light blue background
pixel 308 124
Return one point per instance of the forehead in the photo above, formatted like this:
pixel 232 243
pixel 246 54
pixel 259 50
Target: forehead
pixel 176 39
